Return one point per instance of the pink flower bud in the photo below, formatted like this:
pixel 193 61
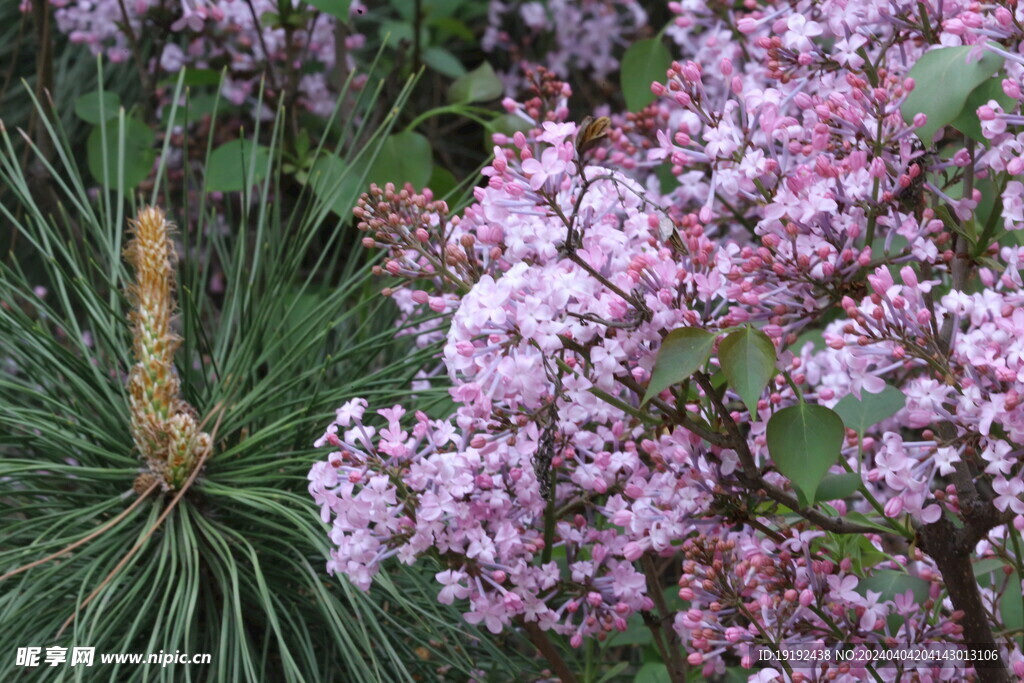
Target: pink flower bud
pixel 1011 89
pixel 632 551
pixel 747 25
pixel 893 507
pixel 878 168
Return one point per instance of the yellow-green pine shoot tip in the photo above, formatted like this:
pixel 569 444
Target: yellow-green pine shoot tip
pixel 163 425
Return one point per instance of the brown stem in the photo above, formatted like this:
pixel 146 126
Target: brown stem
pixel 417 26
pixel 673 650
pixel 540 640
pixel 263 46
pixel 958 575
pixel 148 84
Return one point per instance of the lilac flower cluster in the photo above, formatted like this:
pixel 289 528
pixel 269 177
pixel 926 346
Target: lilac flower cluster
pixel 566 36
pixel 802 202
pixel 239 36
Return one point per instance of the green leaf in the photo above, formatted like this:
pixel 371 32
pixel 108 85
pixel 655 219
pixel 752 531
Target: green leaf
pixel 448 26
pixel 337 184
pixel 479 85
pixel 1010 607
pixel 506 124
pixel 236 165
pixel 837 486
pixel 668 180
pixel 967 228
pixel 636 633
pixel 87 107
pixel 748 360
pixel 870 409
pixel 891 583
pixel 653 672
pixel 201 77
pixel 394 33
pixel 736 674
pixel 804 441
pixel 943 82
pixel 864 520
pixel 441 8
pixel 443 62
pixel 336 8
pixel 137 158
pixel 442 181
pixel 989 198
pixel 988 566
pixel 855 547
pixel 645 61
pixel 404 158
pixel 198 107
pixel 968 122
pixel 613 672
pixel 989 573
pixel 683 352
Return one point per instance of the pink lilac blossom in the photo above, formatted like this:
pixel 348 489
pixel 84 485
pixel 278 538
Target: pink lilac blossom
pixel 214 34
pixel 803 204
pixel 578 37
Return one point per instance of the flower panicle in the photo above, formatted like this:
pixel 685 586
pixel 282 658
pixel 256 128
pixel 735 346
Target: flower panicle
pixel 163 424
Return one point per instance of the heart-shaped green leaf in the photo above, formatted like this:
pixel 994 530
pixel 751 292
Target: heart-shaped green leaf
pixel 645 61
pixel 443 62
pixel 88 106
pixel 337 184
pixel 404 158
pixel 236 165
pixel 891 583
pixel 943 81
pixel 968 122
pixel 104 153
pixel 838 486
pixel 748 361
pixel 506 124
pixel 804 441
pixel 870 409
pixel 336 8
pixel 683 352
pixel 479 85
